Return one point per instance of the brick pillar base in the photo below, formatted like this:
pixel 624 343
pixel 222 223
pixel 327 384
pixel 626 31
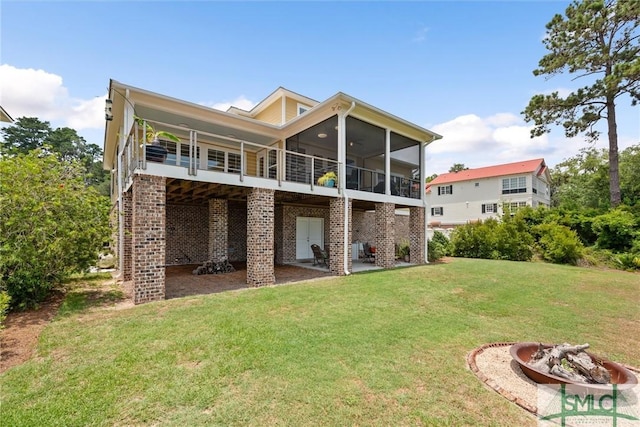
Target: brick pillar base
pixel 260 237
pixel 385 235
pixel 336 236
pixel 218 229
pixel 149 205
pixel 416 235
pixel 127 220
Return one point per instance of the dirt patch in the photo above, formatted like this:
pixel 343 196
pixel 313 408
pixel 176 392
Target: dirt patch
pixel 19 338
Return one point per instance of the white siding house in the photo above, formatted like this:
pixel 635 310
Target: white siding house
pixel 476 194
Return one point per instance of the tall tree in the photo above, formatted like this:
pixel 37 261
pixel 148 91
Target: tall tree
pixel 599 40
pixel 26 134
pixel 457 167
pixel 29 133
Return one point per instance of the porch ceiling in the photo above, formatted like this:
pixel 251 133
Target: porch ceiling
pixel 180 191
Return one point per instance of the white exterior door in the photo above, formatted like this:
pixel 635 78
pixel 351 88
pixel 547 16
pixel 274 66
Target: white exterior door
pixel 309 231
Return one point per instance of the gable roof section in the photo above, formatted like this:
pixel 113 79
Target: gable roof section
pixel 276 95
pixel 528 166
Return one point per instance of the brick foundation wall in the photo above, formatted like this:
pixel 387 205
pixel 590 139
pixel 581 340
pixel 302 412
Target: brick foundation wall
pixel 237 234
pixel 385 238
pixel 279 234
pixel 260 237
pixel 287 241
pixel 336 236
pixel 126 216
pixel 218 229
pixel 416 235
pixel 187 231
pixel 364 227
pixel 149 205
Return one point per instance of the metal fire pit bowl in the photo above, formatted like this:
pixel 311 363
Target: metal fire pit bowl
pixel 522 352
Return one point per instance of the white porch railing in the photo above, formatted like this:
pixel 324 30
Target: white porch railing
pixel 202 151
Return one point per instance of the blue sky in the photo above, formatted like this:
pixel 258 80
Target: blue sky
pixel 462 69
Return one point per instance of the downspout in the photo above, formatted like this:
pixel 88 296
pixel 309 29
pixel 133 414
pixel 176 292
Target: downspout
pixel 424 200
pixel 346 242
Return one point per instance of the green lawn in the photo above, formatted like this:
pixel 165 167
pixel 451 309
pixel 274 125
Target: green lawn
pixel 382 348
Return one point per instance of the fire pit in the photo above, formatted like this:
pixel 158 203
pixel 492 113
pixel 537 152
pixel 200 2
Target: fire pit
pixel 522 353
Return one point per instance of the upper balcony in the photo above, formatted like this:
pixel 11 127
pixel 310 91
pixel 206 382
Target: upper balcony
pixel 295 164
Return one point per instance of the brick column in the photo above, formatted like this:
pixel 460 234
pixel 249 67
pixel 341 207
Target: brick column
pixel 127 221
pixel 149 204
pixel 385 235
pixel 336 236
pixel 416 235
pixel 260 237
pixel 218 229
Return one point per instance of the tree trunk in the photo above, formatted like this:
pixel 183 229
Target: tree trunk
pixel 614 177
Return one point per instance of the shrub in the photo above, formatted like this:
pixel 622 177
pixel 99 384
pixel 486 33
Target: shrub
pixel 51 225
pixel 440 238
pixel 513 241
pixel 558 244
pixel 491 239
pixel 435 250
pixel 628 261
pixel 616 230
pixel 475 240
pixel 5 299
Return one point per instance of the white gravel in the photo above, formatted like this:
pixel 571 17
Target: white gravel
pixel 495 367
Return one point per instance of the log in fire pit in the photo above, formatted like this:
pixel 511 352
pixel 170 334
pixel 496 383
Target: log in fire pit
pixel 567 364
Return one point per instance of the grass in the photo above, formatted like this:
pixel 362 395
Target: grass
pixel 92 290
pixel 383 348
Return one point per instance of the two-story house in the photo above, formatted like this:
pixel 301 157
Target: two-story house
pixel 249 185
pixel 457 198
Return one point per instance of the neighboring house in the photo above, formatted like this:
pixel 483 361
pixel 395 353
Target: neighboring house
pixel 243 185
pixel 4 116
pixel 457 198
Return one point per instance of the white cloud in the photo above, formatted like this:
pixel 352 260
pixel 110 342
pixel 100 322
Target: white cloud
pixel 500 138
pixel 563 92
pixel 37 93
pixel 240 102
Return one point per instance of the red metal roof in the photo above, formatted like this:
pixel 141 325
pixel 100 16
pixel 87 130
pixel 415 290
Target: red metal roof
pixel 527 166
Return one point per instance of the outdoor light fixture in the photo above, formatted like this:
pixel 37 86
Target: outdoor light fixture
pixel 108 115
pixel 322 135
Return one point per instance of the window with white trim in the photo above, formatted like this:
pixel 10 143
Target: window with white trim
pixel 514 206
pixel 489 208
pixel 223 161
pixel 437 211
pixel 514 185
pixel 445 189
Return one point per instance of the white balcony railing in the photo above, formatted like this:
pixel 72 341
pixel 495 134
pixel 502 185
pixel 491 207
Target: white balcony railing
pixel 202 151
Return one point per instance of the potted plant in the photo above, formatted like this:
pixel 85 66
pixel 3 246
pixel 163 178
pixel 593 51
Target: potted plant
pixel 329 179
pixel 403 250
pixel 155 151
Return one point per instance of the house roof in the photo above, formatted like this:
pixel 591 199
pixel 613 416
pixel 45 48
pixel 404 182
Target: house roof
pixel 242 124
pixel 4 116
pixel 528 166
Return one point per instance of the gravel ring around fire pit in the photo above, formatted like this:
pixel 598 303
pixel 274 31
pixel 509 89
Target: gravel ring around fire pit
pixel 493 365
